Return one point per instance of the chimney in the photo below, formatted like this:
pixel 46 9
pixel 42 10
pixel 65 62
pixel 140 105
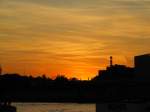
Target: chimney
pixel 0 70
pixel 111 61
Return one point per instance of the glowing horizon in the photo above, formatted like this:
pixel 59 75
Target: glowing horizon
pixel 74 38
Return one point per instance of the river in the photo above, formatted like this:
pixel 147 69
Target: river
pixel 54 107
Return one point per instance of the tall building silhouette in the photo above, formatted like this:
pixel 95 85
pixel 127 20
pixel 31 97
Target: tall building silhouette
pixel 142 66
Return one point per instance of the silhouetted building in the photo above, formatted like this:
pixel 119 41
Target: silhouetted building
pixel 116 72
pixel 142 66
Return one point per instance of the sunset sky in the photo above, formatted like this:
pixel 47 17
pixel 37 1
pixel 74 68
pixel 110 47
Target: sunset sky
pixel 71 37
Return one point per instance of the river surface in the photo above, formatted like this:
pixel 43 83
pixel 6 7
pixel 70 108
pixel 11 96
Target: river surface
pixel 54 107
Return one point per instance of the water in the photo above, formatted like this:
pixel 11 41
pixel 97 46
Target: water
pixel 55 107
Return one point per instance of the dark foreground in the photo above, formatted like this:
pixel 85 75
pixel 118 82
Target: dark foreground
pixel 123 107
pixel 7 108
pixel 15 88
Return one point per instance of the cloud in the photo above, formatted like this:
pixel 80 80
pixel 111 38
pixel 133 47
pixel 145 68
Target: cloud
pixel 74 35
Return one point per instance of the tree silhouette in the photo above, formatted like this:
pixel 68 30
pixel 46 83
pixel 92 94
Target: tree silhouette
pixel 61 79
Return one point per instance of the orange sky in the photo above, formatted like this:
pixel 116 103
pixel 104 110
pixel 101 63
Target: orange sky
pixel 71 37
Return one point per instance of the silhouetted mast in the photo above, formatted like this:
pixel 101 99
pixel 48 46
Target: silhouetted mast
pixel 0 70
pixel 111 61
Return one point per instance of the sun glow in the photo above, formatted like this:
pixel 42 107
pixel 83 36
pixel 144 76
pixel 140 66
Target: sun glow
pixel 72 38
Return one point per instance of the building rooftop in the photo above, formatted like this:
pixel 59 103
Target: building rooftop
pixel 143 55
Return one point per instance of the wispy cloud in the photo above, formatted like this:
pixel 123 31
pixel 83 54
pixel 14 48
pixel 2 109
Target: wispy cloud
pixel 72 36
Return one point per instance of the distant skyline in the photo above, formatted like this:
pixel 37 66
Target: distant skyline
pixel 71 37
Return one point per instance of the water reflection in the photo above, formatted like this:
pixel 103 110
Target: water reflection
pixel 54 107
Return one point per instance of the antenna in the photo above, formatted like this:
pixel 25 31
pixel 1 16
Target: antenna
pixel 111 61
pixel 0 70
